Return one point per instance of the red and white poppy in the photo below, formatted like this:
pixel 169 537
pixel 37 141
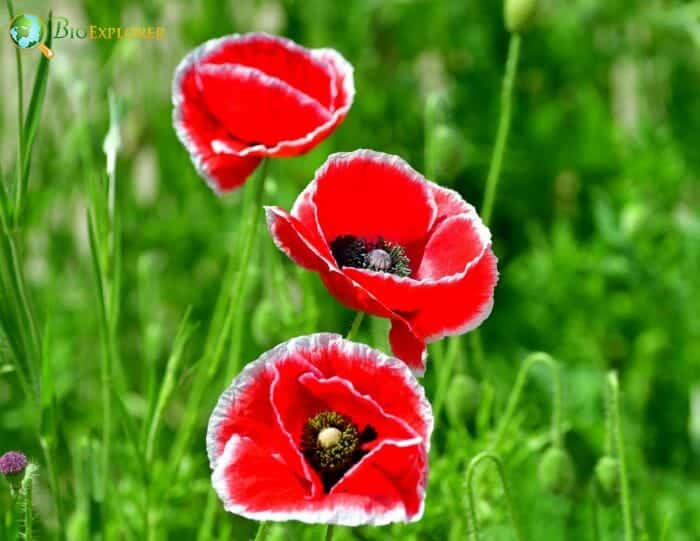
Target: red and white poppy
pixel 388 242
pixel 240 98
pixel 322 430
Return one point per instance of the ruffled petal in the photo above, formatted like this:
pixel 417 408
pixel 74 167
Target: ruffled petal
pixel 456 243
pixel 204 138
pixel 407 346
pixel 234 94
pixel 394 476
pixel 301 246
pixel 280 58
pixel 390 384
pixel 458 306
pixel 369 194
pixel 252 481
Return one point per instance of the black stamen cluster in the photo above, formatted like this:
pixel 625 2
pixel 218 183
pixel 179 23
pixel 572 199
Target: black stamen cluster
pixel 351 251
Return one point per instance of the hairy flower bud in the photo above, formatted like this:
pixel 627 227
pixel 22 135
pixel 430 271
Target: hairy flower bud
pixel 556 471
pixel 607 479
pixel 12 466
pixel 519 14
pixel 446 152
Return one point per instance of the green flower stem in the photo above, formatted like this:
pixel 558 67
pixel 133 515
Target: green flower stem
pixel 28 511
pixel 239 287
pixel 528 363
pixel 472 522
pixel 261 534
pixel 446 371
pixel 328 532
pixel 359 317
pixel 227 307
pixel 503 128
pixel 614 389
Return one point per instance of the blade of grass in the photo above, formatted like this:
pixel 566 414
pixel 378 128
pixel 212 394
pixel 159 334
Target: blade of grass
pixel 36 103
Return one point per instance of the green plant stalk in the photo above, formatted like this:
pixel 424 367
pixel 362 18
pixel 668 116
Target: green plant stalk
pixel 356 323
pixel 516 392
pixel 446 370
pixel 620 447
pixel 503 128
pixel 262 532
pixel 28 510
pixel 472 521
pixel 105 377
pixel 210 361
pixel 328 532
pixel 240 285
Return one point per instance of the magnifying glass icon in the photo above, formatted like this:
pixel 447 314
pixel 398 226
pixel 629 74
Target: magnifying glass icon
pixel 28 31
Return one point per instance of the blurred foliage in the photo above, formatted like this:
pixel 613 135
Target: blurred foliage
pixel 597 229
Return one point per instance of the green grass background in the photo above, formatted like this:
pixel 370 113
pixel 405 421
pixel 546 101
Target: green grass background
pixel 596 226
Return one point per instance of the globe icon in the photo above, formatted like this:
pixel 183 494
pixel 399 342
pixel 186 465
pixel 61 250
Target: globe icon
pixel 27 31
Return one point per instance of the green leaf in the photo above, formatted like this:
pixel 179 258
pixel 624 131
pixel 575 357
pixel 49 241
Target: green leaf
pixel 31 122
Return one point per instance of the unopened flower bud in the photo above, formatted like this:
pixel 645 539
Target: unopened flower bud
pixel 462 399
pixel 556 471
pixel 519 14
pixel 607 479
pixel 12 466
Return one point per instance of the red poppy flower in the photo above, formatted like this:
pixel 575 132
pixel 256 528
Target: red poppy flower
pixel 322 430
pixel 388 242
pixel 240 98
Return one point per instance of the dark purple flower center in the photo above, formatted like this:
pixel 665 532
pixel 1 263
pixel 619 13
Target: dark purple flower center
pixel 381 255
pixel 12 462
pixel 332 444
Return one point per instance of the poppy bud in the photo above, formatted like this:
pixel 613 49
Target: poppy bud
pixel 607 479
pixel 556 471
pixel 12 466
pixel 462 399
pixel 519 14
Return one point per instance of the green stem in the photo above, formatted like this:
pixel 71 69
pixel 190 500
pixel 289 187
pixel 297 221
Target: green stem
pixel 359 317
pixel 503 128
pixel 239 286
pixel 447 368
pixel 530 361
pixel 328 532
pixel 262 531
pixel 219 331
pixel 27 504
pixel 620 447
pixel 472 522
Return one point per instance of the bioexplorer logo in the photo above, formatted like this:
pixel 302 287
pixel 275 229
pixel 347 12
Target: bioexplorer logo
pixel 28 31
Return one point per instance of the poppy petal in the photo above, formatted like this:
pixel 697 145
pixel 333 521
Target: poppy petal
pixel 368 194
pixel 292 238
pixel 395 473
pixel 459 306
pixel 204 138
pixel 233 93
pixel 456 243
pixel 280 58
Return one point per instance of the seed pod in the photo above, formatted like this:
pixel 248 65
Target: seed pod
pixel 519 14
pixel 607 479
pixel 462 399
pixel 556 471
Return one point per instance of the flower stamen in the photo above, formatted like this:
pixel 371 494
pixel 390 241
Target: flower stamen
pixel 332 444
pixel 380 255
